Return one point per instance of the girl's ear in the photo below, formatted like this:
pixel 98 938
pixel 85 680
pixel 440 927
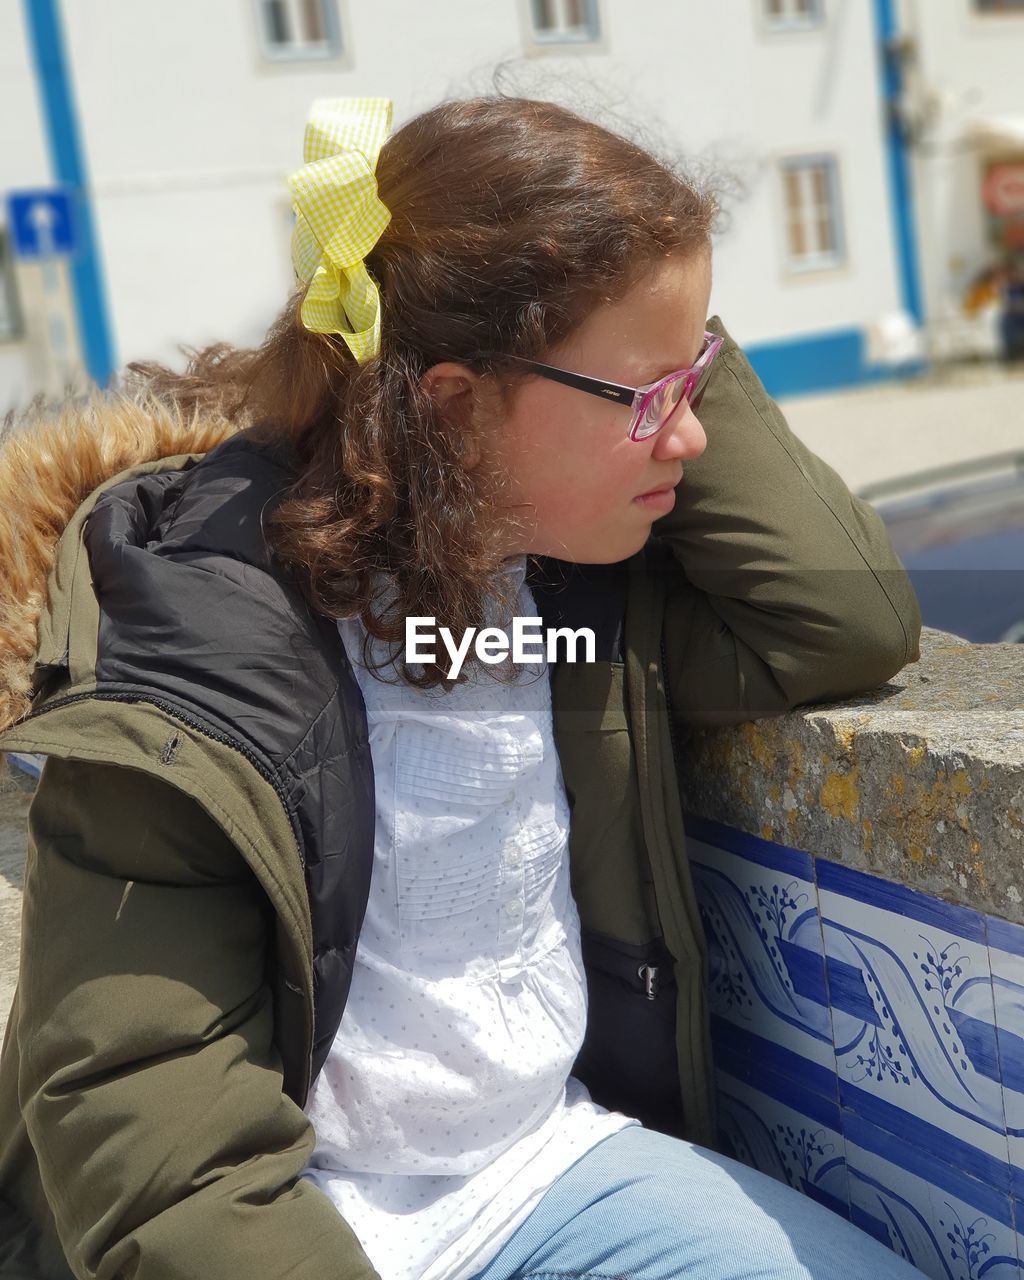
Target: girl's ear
pixel 456 390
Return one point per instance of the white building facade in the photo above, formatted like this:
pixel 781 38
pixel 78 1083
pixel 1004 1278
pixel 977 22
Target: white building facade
pixel 187 117
pixel 964 109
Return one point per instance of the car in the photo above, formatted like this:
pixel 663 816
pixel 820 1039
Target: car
pixel 959 531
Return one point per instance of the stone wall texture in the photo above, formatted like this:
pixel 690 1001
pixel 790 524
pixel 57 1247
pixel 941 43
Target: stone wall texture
pixel 920 781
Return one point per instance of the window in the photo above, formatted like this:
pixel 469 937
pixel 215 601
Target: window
pixel 298 29
pixel 10 312
pixel 814 230
pixel 779 14
pixel 564 21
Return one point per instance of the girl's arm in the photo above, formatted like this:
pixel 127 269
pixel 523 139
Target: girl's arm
pixel 783 588
pixel 149 1078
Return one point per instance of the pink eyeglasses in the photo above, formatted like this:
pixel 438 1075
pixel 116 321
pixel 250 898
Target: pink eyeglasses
pixel 652 405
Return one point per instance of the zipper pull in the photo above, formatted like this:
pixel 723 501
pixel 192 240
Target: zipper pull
pixel 648 974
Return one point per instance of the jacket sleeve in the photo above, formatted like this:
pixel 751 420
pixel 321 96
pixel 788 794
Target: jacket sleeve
pixel 149 1079
pixel 783 588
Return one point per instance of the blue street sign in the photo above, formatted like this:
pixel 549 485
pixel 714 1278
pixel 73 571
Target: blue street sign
pixel 41 223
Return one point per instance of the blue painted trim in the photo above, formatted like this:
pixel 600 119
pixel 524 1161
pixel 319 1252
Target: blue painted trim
pixel 821 362
pixel 897 898
pixel 67 159
pixel 983 1050
pixel 848 992
pixel 806 971
pixel 825 1198
pixel 1005 936
pixel 792 1093
pixel 737 1052
pixel 871 1225
pixel 977 1178
pixel 901 193
pixel 30 764
pixel 766 853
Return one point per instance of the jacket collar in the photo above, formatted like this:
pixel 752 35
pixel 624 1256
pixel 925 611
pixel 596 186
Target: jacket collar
pixel 50 463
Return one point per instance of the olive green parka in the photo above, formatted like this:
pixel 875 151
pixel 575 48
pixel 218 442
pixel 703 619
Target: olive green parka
pixel 199 843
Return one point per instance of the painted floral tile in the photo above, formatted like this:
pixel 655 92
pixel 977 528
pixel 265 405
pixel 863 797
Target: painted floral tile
pixel 1006 957
pixel 913 1018
pixel 785 1131
pixel 1018 1218
pixel 949 1225
pixel 758 904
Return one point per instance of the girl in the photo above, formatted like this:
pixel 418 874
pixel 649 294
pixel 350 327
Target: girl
pixel 309 928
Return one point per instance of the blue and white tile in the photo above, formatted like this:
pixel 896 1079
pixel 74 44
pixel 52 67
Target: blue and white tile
pixel 766 965
pixel 1006 957
pixel 786 1132
pixel 1018 1218
pixel 949 1225
pixel 913 1016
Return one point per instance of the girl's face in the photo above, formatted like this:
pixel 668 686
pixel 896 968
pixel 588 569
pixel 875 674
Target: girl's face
pixel 574 478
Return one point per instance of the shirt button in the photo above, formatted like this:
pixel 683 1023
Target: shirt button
pixel 513 857
pixel 513 906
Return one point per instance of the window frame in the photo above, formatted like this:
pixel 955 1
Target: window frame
pixel 331 49
pixel 10 301
pixel 560 38
pixel 818 261
pixel 790 21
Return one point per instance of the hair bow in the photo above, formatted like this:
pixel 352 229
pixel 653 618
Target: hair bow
pixel 339 218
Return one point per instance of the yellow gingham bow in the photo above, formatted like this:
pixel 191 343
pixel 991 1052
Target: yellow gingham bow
pixel 339 218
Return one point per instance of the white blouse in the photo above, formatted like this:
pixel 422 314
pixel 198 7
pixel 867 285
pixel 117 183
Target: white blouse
pixel 445 1108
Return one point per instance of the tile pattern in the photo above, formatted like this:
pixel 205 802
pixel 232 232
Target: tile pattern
pixel 773 1128
pixel 869 1044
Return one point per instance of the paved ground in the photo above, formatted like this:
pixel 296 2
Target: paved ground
pixel 897 429
pixel 866 435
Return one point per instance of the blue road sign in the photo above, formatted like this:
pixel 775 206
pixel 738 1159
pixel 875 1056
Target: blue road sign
pixel 41 222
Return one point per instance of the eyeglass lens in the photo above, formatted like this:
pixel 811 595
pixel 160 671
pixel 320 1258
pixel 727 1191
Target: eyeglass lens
pixel 663 404
pixel 660 407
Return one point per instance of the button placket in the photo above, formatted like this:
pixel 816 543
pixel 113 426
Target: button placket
pixel 513 911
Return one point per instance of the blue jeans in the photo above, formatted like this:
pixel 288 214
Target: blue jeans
pixel 642 1206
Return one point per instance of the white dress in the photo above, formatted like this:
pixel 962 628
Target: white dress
pixel 445 1108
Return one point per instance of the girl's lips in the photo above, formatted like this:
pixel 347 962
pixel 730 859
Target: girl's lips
pixel 658 500
pixel 664 497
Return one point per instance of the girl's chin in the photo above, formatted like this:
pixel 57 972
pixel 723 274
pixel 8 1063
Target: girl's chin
pixel 597 544
pixel 603 550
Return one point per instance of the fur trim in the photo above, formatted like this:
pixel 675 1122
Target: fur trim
pixel 49 464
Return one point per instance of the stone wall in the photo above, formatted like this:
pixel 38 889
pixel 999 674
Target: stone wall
pixel 860 869
pixel 920 781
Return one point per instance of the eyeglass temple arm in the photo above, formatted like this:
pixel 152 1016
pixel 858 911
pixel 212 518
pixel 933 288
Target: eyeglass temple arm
pixel 606 390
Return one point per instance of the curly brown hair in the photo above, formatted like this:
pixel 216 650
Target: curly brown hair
pixel 511 220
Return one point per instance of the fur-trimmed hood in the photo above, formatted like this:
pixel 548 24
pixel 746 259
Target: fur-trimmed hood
pixel 50 462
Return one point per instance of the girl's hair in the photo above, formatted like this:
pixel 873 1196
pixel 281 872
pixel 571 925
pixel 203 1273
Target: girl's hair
pixel 511 220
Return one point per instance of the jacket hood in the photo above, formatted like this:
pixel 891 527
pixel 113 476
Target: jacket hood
pixel 51 460
pixel 191 652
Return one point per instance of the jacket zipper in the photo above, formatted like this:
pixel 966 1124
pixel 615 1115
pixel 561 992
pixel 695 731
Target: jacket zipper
pixel 648 975
pixel 199 726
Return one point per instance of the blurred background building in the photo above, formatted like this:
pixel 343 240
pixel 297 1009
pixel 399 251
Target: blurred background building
pixel 872 152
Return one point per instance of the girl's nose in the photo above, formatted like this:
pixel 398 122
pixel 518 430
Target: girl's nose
pixel 683 437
